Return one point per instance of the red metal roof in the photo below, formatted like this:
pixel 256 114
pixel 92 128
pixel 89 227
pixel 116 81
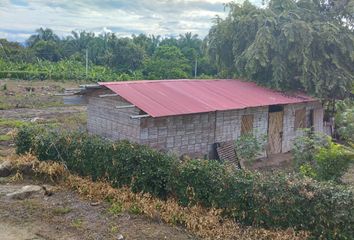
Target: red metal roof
pixel 160 98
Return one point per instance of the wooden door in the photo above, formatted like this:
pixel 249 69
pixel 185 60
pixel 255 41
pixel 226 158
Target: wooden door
pixel 275 132
pixel 247 124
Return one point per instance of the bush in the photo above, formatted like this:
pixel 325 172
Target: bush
pixel 332 162
pixel 344 120
pixel 249 146
pixel 122 163
pixel 318 157
pixel 274 201
pixel 306 146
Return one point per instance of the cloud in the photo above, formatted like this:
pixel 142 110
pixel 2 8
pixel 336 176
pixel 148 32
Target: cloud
pixel 20 18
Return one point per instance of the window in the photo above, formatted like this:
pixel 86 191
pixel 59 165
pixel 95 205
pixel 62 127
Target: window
pixel 300 118
pixel 246 124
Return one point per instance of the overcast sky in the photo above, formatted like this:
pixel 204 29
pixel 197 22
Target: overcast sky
pixel 20 18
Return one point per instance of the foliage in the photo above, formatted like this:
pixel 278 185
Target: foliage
pixel 277 200
pixel 306 146
pixel 332 162
pixel 122 163
pixel 288 45
pixel 318 157
pixel 199 181
pixel 168 62
pixel 249 146
pixel 47 50
pixel 344 120
pixel 42 35
pixel 154 56
pixel 62 70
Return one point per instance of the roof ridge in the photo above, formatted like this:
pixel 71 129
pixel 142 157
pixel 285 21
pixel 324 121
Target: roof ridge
pixel 164 80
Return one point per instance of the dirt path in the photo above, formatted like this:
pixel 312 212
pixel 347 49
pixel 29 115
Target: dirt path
pixel 65 216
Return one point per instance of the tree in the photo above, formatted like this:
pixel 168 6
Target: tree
pixel 292 45
pixel 13 51
pixel 42 35
pixel 47 50
pixel 123 55
pixel 168 62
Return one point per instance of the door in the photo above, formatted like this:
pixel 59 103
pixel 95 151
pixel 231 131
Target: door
pixel 275 132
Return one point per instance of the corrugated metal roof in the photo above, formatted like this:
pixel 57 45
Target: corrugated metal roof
pixel 161 98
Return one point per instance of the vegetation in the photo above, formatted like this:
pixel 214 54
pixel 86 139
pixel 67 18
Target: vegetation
pixel 316 156
pixel 289 45
pixel 249 146
pixel 279 200
pixel 46 56
pixel 344 120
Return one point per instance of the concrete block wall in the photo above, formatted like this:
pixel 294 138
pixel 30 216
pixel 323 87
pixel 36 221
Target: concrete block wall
pixel 187 134
pixel 195 134
pixel 289 132
pixel 228 125
pixel 106 120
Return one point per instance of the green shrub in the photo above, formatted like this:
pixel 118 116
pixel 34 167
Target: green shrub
pixel 122 163
pixel 199 181
pixel 249 146
pixel 318 157
pixel 274 201
pixel 306 147
pixel 344 120
pixel 332 162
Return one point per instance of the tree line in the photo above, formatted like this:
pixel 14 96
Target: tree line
pixel 152 56
pixel 293 45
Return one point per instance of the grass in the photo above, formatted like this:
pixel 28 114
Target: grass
pixel 61 210
pixel 134 209
pixel 116 208
pixel 5 138
pixel 77 223
pixel 11 123
pixel 16 94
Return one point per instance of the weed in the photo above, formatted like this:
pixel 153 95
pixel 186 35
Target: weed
pixel 4 87
pixel 4 138
pixel 77 223
pixel 17 177
pixel 135 209
pixel 116 208
pixel 114 229
pixel 31 205
pixel 11 123
pixel 61 210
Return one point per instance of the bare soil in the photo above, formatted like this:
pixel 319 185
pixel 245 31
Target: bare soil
pixel 65 216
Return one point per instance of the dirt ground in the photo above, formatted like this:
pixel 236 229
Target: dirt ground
pixel 65 216
pixel 32 94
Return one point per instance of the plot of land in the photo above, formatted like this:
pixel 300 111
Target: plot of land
pixel 65 216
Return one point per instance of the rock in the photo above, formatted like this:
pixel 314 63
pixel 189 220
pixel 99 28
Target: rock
pixel 120 237
pixel 25 192
pixel 37 119
pixel 5 169
pixel 95 204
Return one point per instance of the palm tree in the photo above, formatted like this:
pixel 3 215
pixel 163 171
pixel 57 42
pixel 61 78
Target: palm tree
pixel 46 34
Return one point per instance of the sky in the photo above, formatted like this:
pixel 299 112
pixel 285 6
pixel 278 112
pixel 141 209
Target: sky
pixel 20 18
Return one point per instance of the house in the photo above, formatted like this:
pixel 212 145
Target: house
pixel 195 117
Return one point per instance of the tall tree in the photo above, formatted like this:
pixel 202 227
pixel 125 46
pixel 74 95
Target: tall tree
pixel 42 35
pixel 290 45
pixel 168 62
